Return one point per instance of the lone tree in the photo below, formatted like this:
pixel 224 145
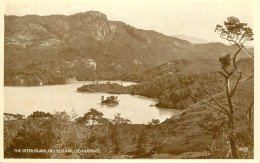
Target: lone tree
pixel 236 33
pixel 93 116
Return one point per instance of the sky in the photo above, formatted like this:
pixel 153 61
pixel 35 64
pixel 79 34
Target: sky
pixel 170 17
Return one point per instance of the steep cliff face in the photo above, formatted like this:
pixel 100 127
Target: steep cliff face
pixel 50 49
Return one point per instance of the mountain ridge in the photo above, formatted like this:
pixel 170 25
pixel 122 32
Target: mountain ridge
pixel 191 39
pixel 87 46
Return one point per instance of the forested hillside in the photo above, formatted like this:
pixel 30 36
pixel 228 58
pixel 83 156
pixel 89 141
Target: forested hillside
pixel 171 83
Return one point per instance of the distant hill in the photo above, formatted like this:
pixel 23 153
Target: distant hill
pixel 191 39
pixel 42 50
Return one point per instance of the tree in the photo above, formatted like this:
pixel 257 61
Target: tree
pixel 157 137
pixel 93 115
pixel 116 132
pixel 154 122
pixel 55 132
pixel 236 33
pixel 249 110
pixel 118 120
pixel 40 114
pixel 141 142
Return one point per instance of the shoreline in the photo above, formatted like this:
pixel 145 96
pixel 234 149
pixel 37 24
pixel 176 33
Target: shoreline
pixel 128 90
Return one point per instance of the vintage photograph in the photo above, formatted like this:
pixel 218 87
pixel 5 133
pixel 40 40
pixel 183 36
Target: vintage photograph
pixel 128 80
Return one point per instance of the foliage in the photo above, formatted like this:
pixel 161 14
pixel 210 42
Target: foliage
pixel 157 138
pixel 59 132
pixel 234 31
pixel 172 92
pixel 141 143
pixel 108 87
pixel 154 122
pixel 90 118
pixel 119 120
pixel 40 114
pixel 225 61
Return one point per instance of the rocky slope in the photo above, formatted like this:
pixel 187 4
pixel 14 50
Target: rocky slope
pixel 41 50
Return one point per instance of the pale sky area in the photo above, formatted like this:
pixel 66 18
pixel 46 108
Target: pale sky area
pixel 168 17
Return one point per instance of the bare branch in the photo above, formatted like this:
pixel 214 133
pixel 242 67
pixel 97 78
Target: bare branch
pixel 230 42
pixel 236 39
pixel 212 106
pixel 228 73
pixel 235 87
pixel 221 73
pixel 234 60
pixel 226 38
pixel 214 99
pixel 227 87
pixel 243 42
pixel 242 39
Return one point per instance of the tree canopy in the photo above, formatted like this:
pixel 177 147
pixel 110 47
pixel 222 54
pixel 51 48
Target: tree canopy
pixel 234 31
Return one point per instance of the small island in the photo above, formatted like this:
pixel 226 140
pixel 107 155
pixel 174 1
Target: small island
pixel 112 100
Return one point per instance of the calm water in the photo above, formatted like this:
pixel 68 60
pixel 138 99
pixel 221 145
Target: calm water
pixel 25 100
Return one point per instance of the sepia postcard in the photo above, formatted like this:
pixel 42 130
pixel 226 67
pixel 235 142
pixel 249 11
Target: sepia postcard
pixel 121 79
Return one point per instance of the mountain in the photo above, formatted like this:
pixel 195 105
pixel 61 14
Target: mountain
pixel 191 39
pixel 42 50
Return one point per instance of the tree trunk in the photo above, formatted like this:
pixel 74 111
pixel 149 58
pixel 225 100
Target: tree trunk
pixel 250 116
pixel 231 121
pixel 232 137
